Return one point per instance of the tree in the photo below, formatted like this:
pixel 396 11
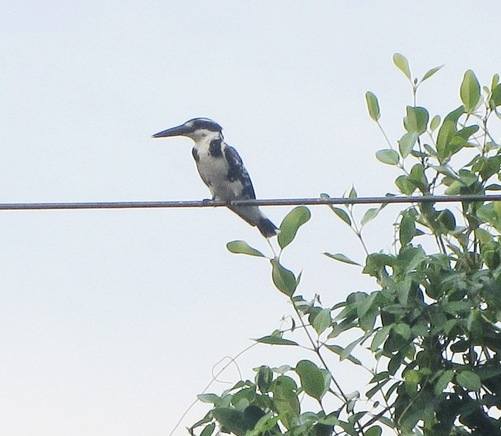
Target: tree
pixel 433 324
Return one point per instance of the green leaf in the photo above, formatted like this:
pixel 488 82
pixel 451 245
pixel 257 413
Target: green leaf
pixel 474 324
pixel 494 81
pixel 446 171
pixel 460 346
pixel 376 263
pixel 454 307
pixel 450 325
pixel 406 143
pixel 487 213
pixel 365 304
pixel 285 399
pixel 375 430
pixel 395 363
pixel 282 369
pixel 275 340
pixel 420 330
pixel 350 347
pixel 447 219
pixel 497 208
pixel 454 188
pixel 402 64
pixel 330 419
pixel 454 140
pixel 372 106
pixel 402 330
pixel 264 378
pixel 312 379
pixel 416 119
pixel 322 321
pixel 469 380
pixel 369 215
pixel 431 72
pixel 208 430
pixel 243 397
pixel 405 185
pixel 403 288
pixel 367 322
pixel 209 398
pixel 455 114
pixel 231 419
pixel 407 228
pixel 418 177
pixel 411 257
pixel 487 167
pixel 430 150
pixel 341 352
pixel 412 378
pixel 468 131
pixel 383 375
pixel 483 235
pixel 380 336
pixel 352 193
pixel 263 426
pixel 470 91
pixel 388 156
pixel 284 280
pixel 435 122
pixel 341 258
pixel 443 381
pixel 495 100
pixel 241 247
pixel 291 223
pixel 445 134
pixel 341 213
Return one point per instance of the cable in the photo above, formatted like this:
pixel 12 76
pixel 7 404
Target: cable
pixel 324 200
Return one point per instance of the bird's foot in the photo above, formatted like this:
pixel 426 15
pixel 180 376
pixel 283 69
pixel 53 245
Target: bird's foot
pixel 207 201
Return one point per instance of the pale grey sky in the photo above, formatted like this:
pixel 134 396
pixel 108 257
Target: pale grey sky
pixel 111 321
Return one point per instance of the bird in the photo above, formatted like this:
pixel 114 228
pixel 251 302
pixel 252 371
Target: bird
pixel 221 169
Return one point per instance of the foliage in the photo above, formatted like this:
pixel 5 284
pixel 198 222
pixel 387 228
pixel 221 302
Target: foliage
pixel 433 323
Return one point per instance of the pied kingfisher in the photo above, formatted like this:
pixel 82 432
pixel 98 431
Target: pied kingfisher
pixel 221 169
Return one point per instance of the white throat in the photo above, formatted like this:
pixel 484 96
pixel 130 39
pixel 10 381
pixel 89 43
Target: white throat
pixel 203 138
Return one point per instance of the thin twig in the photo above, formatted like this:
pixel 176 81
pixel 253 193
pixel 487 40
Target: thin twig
pixel 212 380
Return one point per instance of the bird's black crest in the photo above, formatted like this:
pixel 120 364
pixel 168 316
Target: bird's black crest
pixel 215 148
pixel 204 123
pixel 194 152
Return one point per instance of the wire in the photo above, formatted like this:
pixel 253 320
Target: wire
pixel 324 200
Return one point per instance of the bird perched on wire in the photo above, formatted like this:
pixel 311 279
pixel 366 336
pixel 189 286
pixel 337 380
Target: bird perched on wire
pixel 221 169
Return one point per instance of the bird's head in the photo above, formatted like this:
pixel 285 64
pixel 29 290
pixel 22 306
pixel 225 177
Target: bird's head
pixel 197 129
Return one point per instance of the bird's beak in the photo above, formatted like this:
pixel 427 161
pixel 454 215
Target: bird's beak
pixel 173 131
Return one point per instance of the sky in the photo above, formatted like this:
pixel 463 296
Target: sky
pixel 112 321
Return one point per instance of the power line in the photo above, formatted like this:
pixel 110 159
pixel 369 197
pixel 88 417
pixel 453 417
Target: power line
pixel 260 202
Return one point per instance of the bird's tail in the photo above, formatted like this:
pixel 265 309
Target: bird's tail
pixel 255 217
pixel 267 228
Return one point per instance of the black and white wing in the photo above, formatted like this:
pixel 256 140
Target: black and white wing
pixel 251 214
pixel 237 172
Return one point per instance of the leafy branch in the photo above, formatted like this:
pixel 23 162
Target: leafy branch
pixel 432 323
